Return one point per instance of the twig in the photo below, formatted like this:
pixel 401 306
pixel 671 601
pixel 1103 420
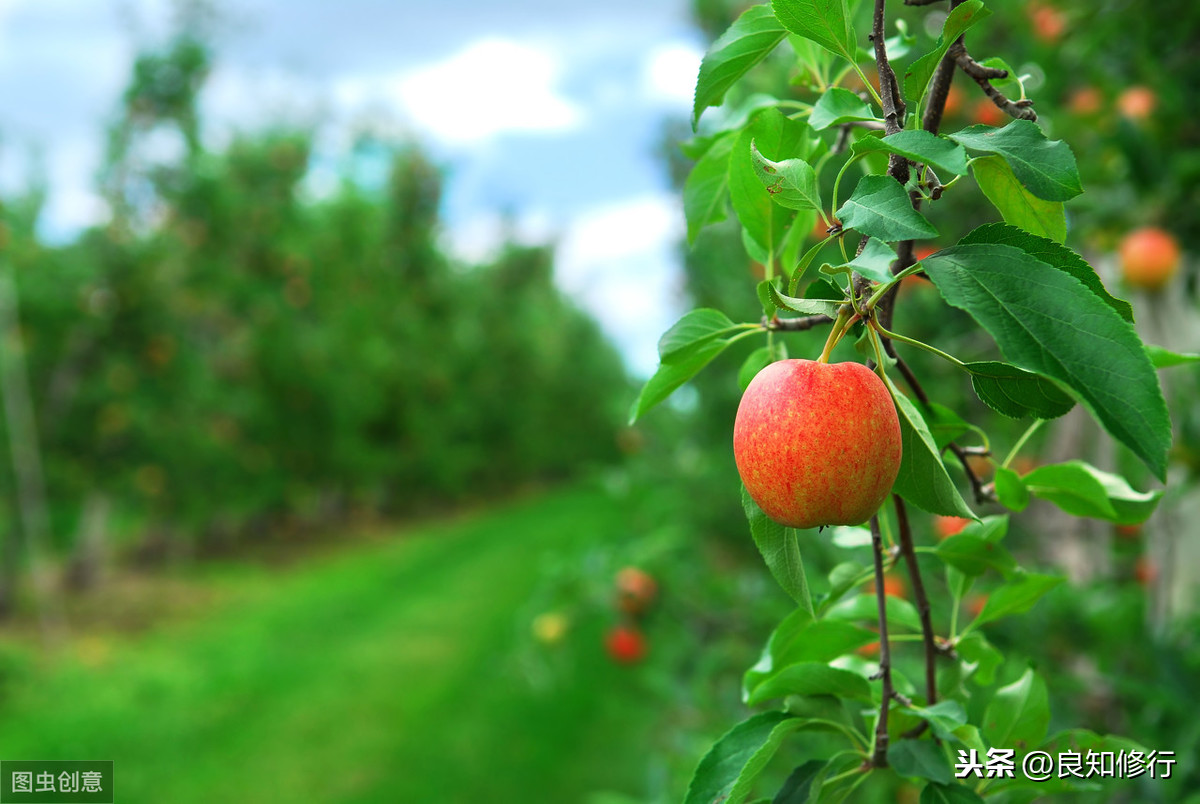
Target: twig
pixel 777 324
pixel 879 753
pixel 922 600
pixel 983 76
pixel 943 77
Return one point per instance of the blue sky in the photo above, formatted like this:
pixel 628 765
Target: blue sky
pixel 549 111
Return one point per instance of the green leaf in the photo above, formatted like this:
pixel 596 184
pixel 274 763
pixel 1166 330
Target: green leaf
pixel 880 207
pixel 758 360
pixel 1016 597
pixel 864 607
pixel 1017 205
pixel 694 329
pixel 919 758
pixel 1019 714
pixel 976 650
pixel 1046 167
pixel 874 263
pixel 775 137
pixel 943 717
pixel 1016 392
pixel 1053 254
pixel 1081 489
pixel 918 74
pixel 795 790
pixel 780 550
pixel 744 44
pixel 1011 491
pixel 1044 321
pixel 791 183
pixel 728 770
pixel 943 155
pixel 1165 358
pixel 706 187
pixel 949 794
pixel 973 555
pixel 944 424
pixel 805 306
pixel 670 376
pixel 826 22
pixel 811 678
pixel 838 106
pixel 923 480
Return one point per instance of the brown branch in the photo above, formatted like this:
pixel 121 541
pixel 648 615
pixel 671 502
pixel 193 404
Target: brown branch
pixel 983 76
pixel 879 755
pixel 777 324
pixel 922 600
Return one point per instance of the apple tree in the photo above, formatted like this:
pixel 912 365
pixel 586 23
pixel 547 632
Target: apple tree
pixel 1057 339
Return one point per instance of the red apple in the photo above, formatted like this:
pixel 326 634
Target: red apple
pixel 1149 258
pixel 947 526
pixel 625 644
pixel 816 443
pixel 1085 101
pixel 1048 22
pixel 988 113
pixel 636 591
pixel 1137 103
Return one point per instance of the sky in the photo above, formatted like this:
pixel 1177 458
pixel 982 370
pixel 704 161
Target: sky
pixel 545 113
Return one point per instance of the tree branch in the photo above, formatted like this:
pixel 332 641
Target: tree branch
pixel 983 76
pixel 777 324
pixel 879 752
pixel 922 600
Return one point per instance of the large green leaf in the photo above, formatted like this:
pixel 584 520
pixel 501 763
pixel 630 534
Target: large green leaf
pixel 945 156
pixel 670 376
pixel 977 651
pixel 973 555
pixel 1011 491
pixel 780 550
pixel 744 44
pixel 1046 321
pixel 916 77
pixel 778 138
pixel 799 782
pixel 900 613
pixel 839 106
pixel 949 794
pixel 826 22
pixel 706 187
pixel 1016 597
pixel 1053 254
pixel 1016 392
pixel 691 331
pixel 803 306
pixel 1019 714
pixel 944 717
pixel 1017 205
pixel 801 639
pixel 923 479
pixel 728 770
pixel 811 678
pixel 880 207
pixel 1083 490
pixel 920 759
pixel 1046 167
pixel 875 262
pixel 791 183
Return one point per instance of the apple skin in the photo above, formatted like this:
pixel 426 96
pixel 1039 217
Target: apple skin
pixel 636 590
pixel 1149 258
pixel 817 443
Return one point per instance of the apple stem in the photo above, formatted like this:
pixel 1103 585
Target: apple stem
pixel 839 328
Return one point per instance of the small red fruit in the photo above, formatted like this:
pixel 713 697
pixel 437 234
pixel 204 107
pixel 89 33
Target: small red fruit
pixel 975 604
pixel 1049 23
pixel 626 644
pixel 636 591
pixel 988 113
pixel 1145 571
pixel 1129 531
pixel 1149 258
pixel 1085 101
pixel 1137 103
pixel 817 444
pixel 869 650
pixel 947 526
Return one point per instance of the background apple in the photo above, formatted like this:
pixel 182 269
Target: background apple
pixel 1149 258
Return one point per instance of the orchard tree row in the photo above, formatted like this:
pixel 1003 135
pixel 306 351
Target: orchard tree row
pixel 225 356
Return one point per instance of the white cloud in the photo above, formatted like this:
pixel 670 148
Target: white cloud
pixel 490 87
pixel 620 262
pixel 670 71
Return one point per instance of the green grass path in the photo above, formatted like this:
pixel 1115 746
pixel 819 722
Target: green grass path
pixel 386 673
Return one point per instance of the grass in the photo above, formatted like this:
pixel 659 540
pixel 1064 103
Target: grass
pixel 392 671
